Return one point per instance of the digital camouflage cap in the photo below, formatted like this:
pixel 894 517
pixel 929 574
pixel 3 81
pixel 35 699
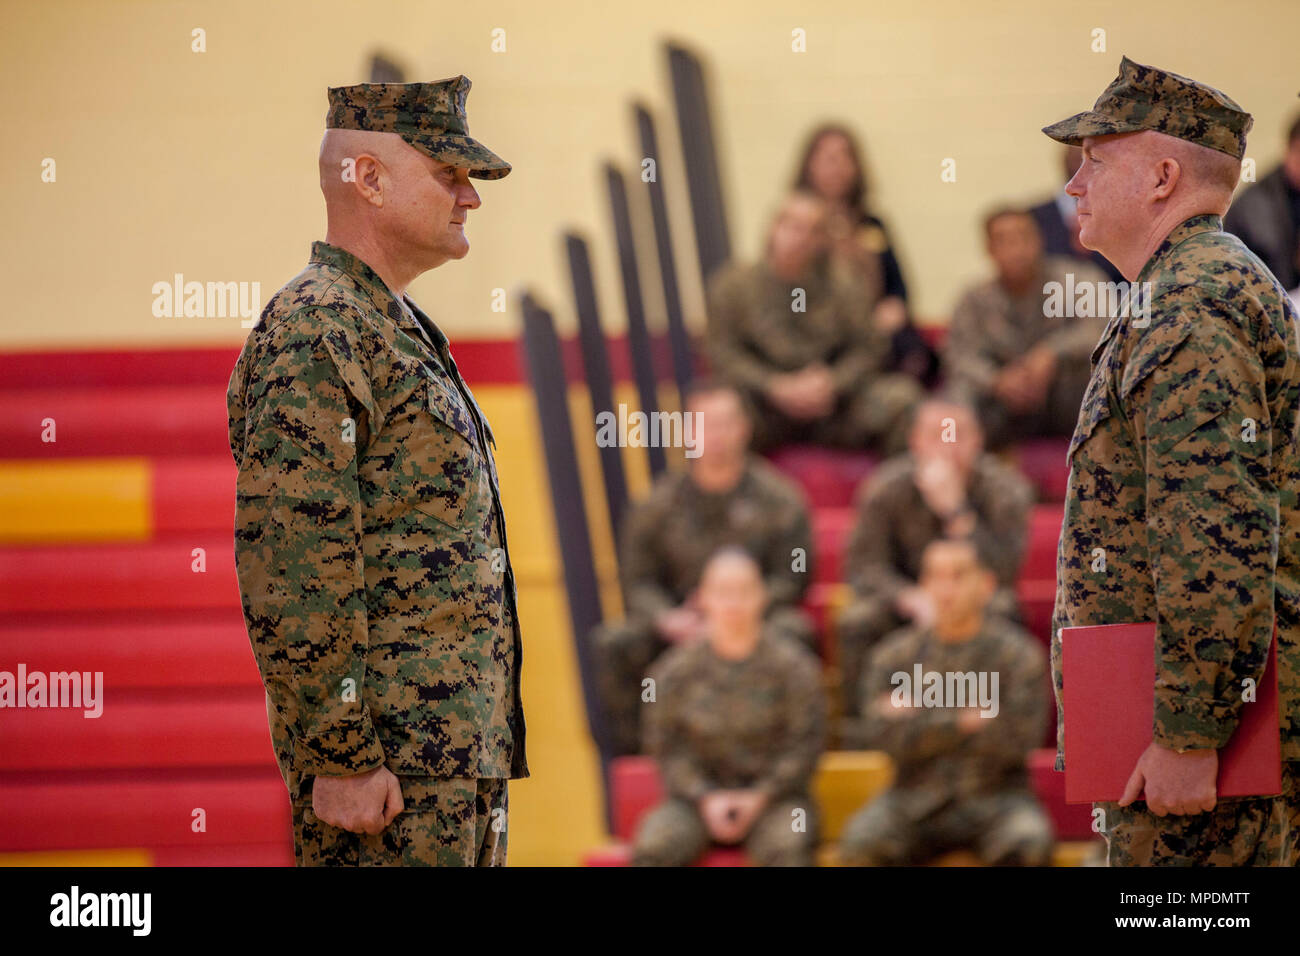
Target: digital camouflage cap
pixel 429 116
pixel 1142 97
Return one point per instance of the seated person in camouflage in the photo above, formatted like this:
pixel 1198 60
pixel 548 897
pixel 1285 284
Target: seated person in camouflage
pixel 795 335
pixel 1018 348
pixel 736 725
pixel 958 705
pixel 725 496
pixel 945 486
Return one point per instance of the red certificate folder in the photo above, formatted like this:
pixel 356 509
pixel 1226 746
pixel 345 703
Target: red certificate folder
pixel 1109 679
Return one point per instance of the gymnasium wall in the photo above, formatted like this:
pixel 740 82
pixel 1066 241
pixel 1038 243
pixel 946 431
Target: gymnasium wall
pixel 170 161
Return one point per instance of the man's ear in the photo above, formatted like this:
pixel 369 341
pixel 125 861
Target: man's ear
pixel 370 176
pixel 1168 173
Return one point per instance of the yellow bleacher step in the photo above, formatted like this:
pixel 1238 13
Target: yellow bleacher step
pixel 80 499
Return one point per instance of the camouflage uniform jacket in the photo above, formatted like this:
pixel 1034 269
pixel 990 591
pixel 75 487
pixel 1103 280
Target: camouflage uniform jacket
pixel 718 724
pixel 754 333
pixel 672 533
pixel 894 524
pixel 1182 500
pixel 990 329
pixel 938 762
pixel 369 539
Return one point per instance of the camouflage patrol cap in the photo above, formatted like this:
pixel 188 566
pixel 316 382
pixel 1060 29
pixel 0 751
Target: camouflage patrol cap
pixel 429 116
pixel 1142 97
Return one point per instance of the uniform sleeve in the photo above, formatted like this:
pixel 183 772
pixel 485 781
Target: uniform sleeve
pixel 785 585
pixel 868 563
pixel 644 594
pixel 1076 340
pixel 866 350
pixel 1002 515
pixel 665 739
pixel 1197 397
pixel 919 734
pixel 731 358
pixel 1022 706
pixel 298 553
pixel 796 759
pixel 971 371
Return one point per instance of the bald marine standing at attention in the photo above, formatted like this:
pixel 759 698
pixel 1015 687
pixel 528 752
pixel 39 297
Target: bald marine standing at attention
pixel 370 543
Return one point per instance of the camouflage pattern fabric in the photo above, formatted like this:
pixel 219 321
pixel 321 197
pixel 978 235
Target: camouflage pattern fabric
pixel 1002 829
pixel 369 539
pixel 1143 97
pixel 757 723
pixel 429 116
pixel 664 546
pixel 890 533
pixel 937 761
pixel 1182 503
pixel 754 334
pixel 1255 831
pixel 990 329
pixel 673 834
pixel 445 823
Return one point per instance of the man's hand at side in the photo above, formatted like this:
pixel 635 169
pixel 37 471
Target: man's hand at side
pixel 1177 783
pixel 365 803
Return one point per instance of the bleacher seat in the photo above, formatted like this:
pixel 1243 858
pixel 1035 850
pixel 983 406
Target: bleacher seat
pixel 828 476
pixel 1043 461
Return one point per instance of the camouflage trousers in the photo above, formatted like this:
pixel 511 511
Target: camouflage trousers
pixel 625 651
pixel 1002 829
pixel 1055 419
pixel 458 822
pixel 875 416
pixel 673 834
pixel 1239 831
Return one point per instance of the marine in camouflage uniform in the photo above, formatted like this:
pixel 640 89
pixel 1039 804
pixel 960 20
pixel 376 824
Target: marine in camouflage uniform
pixel 991 328
pixel 894 523
pixel 754 334
pixel 717 724
pixel 370 543
pixel 665 545
pixel 955 788
pixel 1184 471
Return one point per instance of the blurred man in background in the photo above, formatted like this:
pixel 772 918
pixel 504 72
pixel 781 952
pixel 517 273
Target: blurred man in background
pixel 725 496
pixel 797 339
pixel 737 725
pixel 960 757
pixel 945 486
pixel 1266 216
pixel 1017 351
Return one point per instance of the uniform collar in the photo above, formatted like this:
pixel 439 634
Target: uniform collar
pixel 1206 222
pixel 402 310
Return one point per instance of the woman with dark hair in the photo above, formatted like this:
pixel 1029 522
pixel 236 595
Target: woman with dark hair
pixel 832 168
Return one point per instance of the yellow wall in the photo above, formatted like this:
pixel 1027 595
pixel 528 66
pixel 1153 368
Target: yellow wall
pixel 204 164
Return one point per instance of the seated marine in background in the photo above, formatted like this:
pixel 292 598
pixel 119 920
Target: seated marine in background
pixel 958 704
pixel 737 724
pixel 725 496
pixel 795 336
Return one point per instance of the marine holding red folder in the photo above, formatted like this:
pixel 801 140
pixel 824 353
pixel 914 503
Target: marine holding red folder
pixel 1184 468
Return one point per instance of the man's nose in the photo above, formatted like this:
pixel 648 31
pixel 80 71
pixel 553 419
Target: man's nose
pixel 469 197
pixel 1075 187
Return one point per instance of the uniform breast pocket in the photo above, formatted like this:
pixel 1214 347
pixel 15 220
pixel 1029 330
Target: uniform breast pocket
pixel 441 472
pixel 1094 410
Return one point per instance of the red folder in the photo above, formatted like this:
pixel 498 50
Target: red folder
pixel 1109 679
